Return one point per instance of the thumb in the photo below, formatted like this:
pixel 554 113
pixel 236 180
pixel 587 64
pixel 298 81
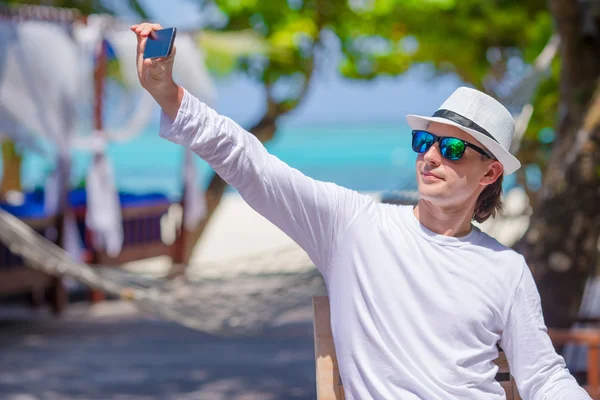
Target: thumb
pixel 158 69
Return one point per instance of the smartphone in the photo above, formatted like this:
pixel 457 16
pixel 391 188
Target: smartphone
pixel 160 43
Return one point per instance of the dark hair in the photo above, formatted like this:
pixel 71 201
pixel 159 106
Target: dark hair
pixel 489 201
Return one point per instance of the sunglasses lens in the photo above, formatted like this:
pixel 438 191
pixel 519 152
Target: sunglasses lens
pixel 422 141
pixel 452 149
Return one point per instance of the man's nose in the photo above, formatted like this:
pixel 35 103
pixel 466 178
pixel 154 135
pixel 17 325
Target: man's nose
pixel 433 155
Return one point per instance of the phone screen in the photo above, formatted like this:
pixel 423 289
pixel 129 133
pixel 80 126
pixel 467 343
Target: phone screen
pixel 160 43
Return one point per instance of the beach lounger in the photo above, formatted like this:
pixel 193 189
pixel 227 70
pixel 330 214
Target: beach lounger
pixel 141 228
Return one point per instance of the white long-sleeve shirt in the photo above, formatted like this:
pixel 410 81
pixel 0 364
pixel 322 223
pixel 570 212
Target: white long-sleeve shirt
pixel 414 314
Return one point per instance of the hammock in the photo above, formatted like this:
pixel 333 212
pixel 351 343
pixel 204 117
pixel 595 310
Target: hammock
pixel 235 304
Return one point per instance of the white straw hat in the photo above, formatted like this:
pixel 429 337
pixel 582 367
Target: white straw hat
pixel 482 117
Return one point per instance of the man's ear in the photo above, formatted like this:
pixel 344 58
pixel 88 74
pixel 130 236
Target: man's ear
pixel 495 171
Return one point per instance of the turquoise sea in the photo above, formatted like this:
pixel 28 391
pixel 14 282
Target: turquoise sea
pixel 374 156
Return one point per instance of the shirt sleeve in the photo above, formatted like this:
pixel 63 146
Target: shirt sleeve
pixel 540 373
pixel 313 213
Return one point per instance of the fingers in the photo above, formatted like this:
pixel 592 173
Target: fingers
pixel 145 29
pixel 142 32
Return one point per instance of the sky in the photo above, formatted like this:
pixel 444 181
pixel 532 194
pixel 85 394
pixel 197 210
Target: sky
pixel 331 98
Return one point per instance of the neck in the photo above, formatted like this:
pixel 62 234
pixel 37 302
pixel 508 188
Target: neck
pixel 448 221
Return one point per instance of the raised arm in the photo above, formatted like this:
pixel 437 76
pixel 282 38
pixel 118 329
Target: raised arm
pixel 539 371
pixel 314 214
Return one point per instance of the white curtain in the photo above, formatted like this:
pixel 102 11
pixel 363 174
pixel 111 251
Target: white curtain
pixel 103 216
pixel 46 90
pixel 38 93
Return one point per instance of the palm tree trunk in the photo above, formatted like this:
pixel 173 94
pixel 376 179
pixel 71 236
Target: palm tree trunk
pixel 561 244
pixel 11 160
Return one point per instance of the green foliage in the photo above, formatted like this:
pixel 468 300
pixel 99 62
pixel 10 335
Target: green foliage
pixel 475 39
pixel 114 72
pixel 226 49
pixel 276 42
pixel 138 9
pixel 373 33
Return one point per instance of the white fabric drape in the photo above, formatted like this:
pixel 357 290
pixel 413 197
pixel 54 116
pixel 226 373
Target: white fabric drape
pixel 47 86
pixel 39 60
pixel 10 129
pixel 38 92
pixel 103 214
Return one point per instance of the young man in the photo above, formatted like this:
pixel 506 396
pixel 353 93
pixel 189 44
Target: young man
pixel 419 297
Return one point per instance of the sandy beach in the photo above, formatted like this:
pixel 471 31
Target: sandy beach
pixel 237 239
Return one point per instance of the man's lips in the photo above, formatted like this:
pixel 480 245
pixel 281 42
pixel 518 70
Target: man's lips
pixel 430 175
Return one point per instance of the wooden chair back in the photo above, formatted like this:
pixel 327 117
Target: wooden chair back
pixel 329 382
pixel 588 337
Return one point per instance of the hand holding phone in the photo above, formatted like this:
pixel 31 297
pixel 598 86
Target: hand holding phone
pixel 160 43
pixel 155 58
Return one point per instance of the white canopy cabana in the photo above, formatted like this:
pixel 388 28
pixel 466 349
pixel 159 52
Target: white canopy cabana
pixel 46 91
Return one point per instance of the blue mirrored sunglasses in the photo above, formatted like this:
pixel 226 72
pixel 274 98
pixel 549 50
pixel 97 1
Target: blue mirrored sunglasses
pixel 451 148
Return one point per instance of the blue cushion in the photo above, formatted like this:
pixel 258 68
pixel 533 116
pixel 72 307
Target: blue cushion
pixel 32 207
pixel 78 197
pixel 132 200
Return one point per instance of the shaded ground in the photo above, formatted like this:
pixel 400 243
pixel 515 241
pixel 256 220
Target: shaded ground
pixel 111 351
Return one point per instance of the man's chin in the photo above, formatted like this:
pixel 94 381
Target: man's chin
pixel 431 192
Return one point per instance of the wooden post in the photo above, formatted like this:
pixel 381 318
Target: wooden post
pixel 589 337
pixel 58 296
pixel 593 361
pixel 99 75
